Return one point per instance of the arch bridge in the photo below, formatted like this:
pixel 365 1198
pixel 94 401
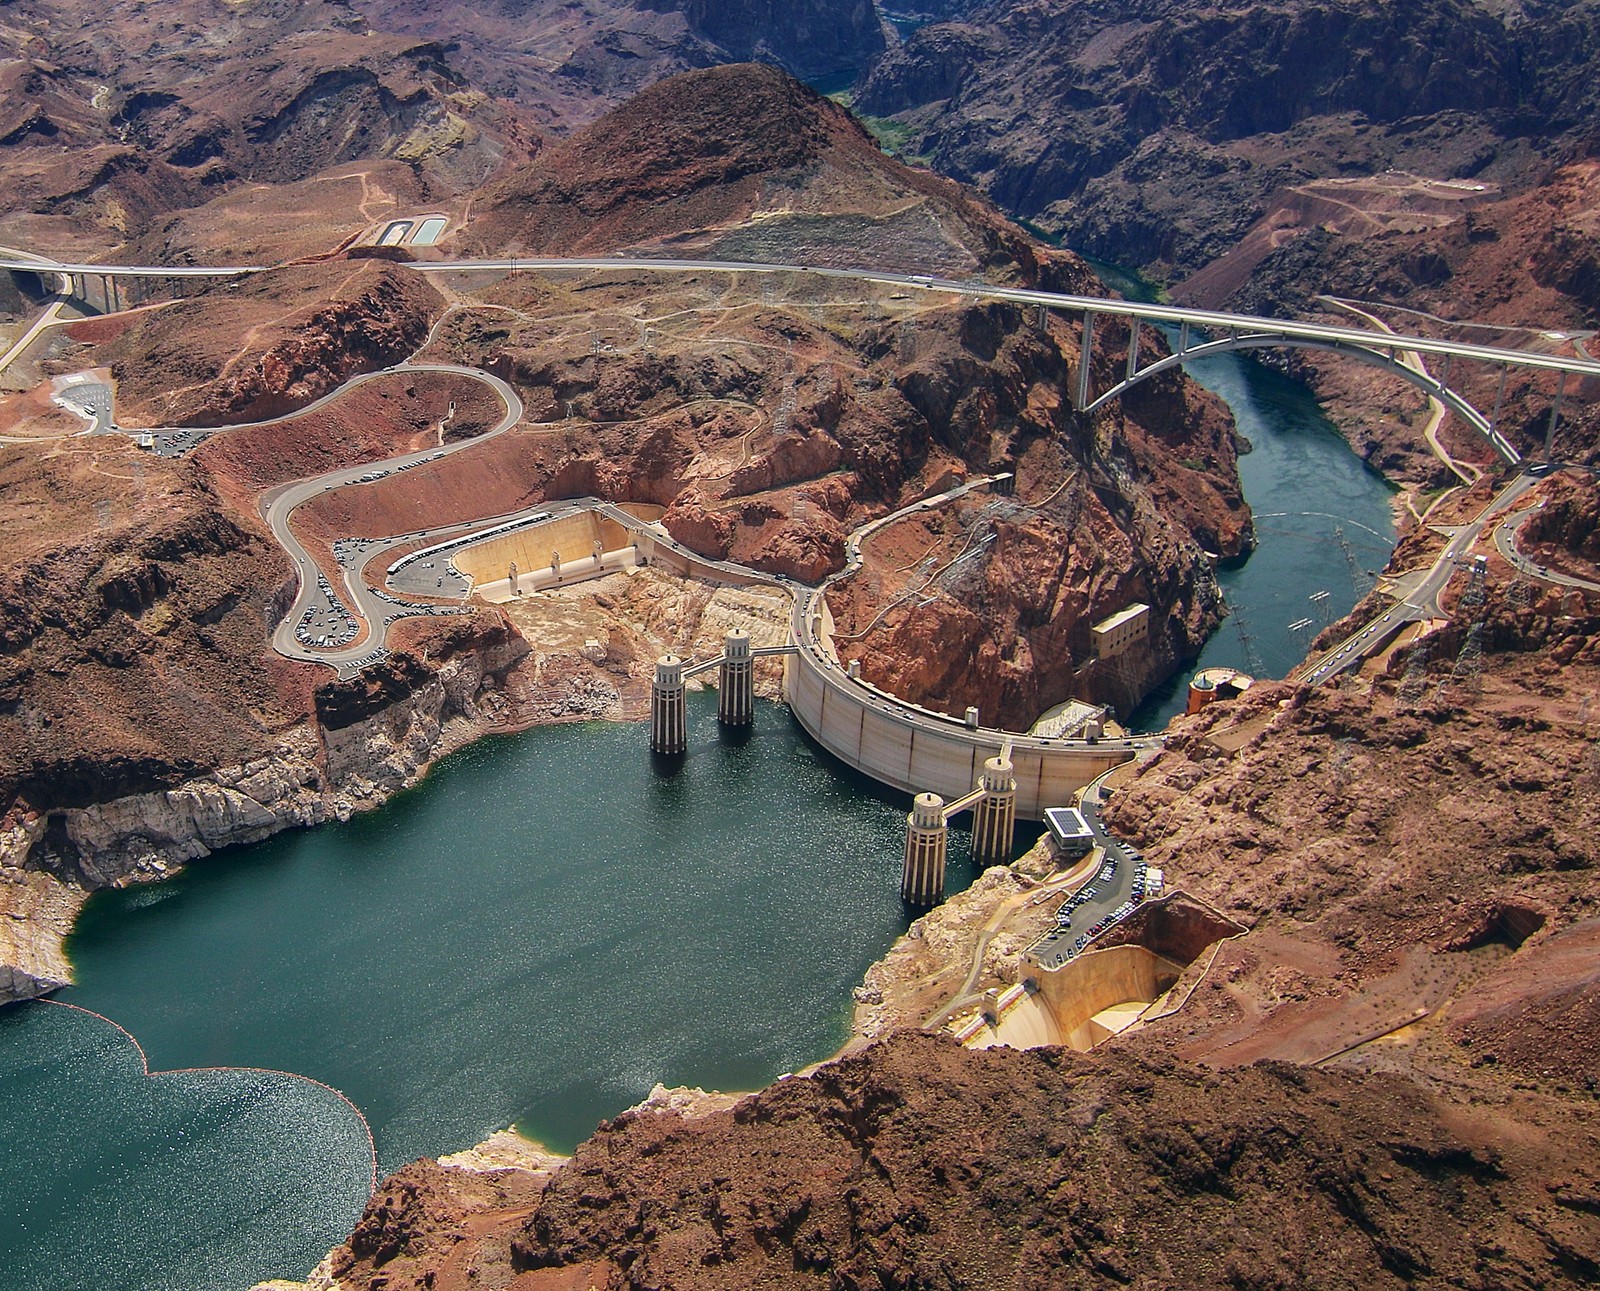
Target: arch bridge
pixel 1201 333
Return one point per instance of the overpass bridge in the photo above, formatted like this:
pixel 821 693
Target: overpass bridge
pixel 1199 332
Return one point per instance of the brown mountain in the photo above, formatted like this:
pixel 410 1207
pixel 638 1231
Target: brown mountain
pixel 918 1164
pixel 745 163
pixel 113 118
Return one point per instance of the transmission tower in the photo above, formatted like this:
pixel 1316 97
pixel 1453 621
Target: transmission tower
pixel 1468 670
pixel 1247 640
pixel 1414 685
pixel 1358 576
pixel 1476 593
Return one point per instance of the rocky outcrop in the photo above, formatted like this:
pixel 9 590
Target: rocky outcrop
pixel 746 163
pixel 153 114
pixel 1569 521
pixel 381 732
pixel 36 914
pixel 919 1164
pixel 262 348
pixel 149 835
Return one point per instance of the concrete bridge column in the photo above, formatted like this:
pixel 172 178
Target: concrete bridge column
pixel 927 839
pixel 1085 353
pixel 1555 419
pixel 668 724
pixel 736 681
pixel 994 819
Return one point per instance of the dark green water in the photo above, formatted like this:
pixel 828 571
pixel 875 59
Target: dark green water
pixel 546 928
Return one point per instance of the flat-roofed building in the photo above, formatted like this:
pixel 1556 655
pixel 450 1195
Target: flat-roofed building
pixel 1069 831
pixel 1121 632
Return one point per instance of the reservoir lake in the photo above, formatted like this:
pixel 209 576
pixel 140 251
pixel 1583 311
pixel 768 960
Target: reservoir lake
pixel 545 928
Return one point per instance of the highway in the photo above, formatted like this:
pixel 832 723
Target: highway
pixel 1505 541
pixel 51 317
pixel 1422 603
pixel 356 629
pixel 1212 320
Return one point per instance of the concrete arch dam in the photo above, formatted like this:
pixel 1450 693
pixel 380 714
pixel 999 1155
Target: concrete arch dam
pixel 915 750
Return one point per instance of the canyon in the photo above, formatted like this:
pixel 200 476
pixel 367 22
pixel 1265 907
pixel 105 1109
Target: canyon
pixel 1379 1069
pixel 1413 847
pixel 1431 163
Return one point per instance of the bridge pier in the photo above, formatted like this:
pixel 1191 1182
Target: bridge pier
pixel 994 818
pixel 668 721
pixel 1085 353
pixel 927 840
pixel 736 680
pixel 1555 418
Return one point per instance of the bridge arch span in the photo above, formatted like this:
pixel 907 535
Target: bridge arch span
pixel 1374 357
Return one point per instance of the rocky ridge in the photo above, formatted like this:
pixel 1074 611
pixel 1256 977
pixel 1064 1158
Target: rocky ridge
pixel 1430 162
pixel 1081 114
pixel 268 345
pixel 102 137
pixel 926 1165
pixel 566 64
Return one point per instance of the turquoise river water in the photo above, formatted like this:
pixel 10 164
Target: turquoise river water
pixel 549 925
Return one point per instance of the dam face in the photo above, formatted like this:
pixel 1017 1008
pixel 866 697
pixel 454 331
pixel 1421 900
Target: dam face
pixel 886 742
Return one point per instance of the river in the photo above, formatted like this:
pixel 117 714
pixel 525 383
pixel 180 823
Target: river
pixel 548 926
pixel 1324 522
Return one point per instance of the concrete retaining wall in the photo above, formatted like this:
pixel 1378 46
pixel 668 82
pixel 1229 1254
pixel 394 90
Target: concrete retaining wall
pixel 1063 1009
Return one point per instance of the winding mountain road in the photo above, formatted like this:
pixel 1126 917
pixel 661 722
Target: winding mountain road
pixel 315 598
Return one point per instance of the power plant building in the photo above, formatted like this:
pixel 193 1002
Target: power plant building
pixel 1121 632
